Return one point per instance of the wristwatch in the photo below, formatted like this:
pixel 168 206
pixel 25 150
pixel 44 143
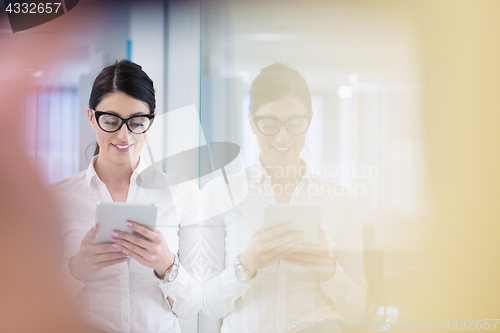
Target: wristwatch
pixel 171 272
pixel 240 271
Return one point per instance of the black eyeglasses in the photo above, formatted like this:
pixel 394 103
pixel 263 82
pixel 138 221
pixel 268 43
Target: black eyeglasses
pixel 270 126
pixel 111 123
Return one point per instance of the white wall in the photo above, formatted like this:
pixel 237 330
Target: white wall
pixel 147 35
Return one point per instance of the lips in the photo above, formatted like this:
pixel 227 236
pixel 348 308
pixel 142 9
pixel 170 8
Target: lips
pixel 281 149
pixel 122 147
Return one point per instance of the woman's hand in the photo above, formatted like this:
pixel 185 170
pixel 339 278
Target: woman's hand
pixel 267 248
pixel 91 258
pixel 152 252
pixel 316 258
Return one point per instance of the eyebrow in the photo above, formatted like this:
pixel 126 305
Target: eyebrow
pixel 275 118
pixel 140 113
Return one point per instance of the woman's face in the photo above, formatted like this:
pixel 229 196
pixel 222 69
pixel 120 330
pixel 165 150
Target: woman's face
pixel 120 147
pixel 283 148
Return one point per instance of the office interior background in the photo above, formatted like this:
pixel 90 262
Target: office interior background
pixel 370 67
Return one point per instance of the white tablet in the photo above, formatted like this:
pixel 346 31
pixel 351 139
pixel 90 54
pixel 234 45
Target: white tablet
pixel 305 218
pixel 111 216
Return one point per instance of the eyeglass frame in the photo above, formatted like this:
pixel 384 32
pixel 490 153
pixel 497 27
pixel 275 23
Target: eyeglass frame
pixel 256 120
pixel 98 114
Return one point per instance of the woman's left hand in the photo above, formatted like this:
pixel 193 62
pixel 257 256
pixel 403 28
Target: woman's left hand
pixel 316 258
pixel 152 252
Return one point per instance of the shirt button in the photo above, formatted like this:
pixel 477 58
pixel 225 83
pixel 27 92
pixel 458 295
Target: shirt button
pixel 125 319
pixel 125 293
pixel 124 270
pixel 282 293
pixel 281 317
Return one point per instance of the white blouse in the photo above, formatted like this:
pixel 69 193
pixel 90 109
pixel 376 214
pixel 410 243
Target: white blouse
pixel 127 297
pixel 281 295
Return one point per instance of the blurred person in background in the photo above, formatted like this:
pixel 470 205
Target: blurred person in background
pixel 132 284
pixel 269 281
pixel 31 297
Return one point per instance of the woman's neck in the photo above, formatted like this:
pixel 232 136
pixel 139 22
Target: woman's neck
pixel 112 174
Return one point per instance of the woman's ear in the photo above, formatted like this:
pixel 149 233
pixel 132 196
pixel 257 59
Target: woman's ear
pixel 252 124
pixel 91 117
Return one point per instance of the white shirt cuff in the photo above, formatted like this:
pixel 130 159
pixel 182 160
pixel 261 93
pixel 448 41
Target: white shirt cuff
pixel 175 288
pixel 232 288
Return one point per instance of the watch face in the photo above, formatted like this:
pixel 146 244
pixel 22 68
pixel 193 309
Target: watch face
pixel 240 275
pixel 173 274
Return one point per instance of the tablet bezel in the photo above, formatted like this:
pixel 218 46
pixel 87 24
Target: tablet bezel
pixel 112 216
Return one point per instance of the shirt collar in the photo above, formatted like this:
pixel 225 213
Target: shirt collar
pixel 260 174
pixel 91 173
pixel 141 166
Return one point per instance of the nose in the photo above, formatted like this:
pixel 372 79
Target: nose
pixel 123 133
pixel 282 135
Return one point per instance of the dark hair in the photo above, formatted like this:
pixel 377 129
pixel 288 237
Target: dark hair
pixel 126 77
pixel 275 82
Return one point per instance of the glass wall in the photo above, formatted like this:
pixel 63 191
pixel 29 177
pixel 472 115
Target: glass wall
pixel 362 64
pixel 361 61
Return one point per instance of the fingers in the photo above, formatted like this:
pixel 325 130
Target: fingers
pixel 127 248
pixel 283 238
pixel 134 239
pixel 309 258
pixel 101 248
pixel 149 234
pixel 324 270
pixel 110 256
pixel 130 253
pixel 108 263
pixel 298 262
pixel 90 236
pixel 286 253
pixel 317 250
pixel 284 247
pixel 279 252
pixel 276 231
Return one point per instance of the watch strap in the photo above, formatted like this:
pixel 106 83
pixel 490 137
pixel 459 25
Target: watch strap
pixel 239 267
pixel 173 267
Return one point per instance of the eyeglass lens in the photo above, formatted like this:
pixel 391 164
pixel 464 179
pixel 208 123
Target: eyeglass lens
pixel 269 126
pixel 111 123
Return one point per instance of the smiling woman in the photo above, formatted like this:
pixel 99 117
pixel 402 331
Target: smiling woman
pixel 264 279
pixel 134 92
pixel 117 143
pixel 132 283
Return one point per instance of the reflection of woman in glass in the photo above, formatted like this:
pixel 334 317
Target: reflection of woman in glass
pixel 269 281
pixel 132 284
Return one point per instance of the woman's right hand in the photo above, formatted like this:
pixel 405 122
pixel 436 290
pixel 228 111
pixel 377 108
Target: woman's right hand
pixel 267 248
pixel 91 258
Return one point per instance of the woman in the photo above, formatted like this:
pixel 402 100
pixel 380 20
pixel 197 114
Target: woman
pixel 123 286
pixel 269 281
